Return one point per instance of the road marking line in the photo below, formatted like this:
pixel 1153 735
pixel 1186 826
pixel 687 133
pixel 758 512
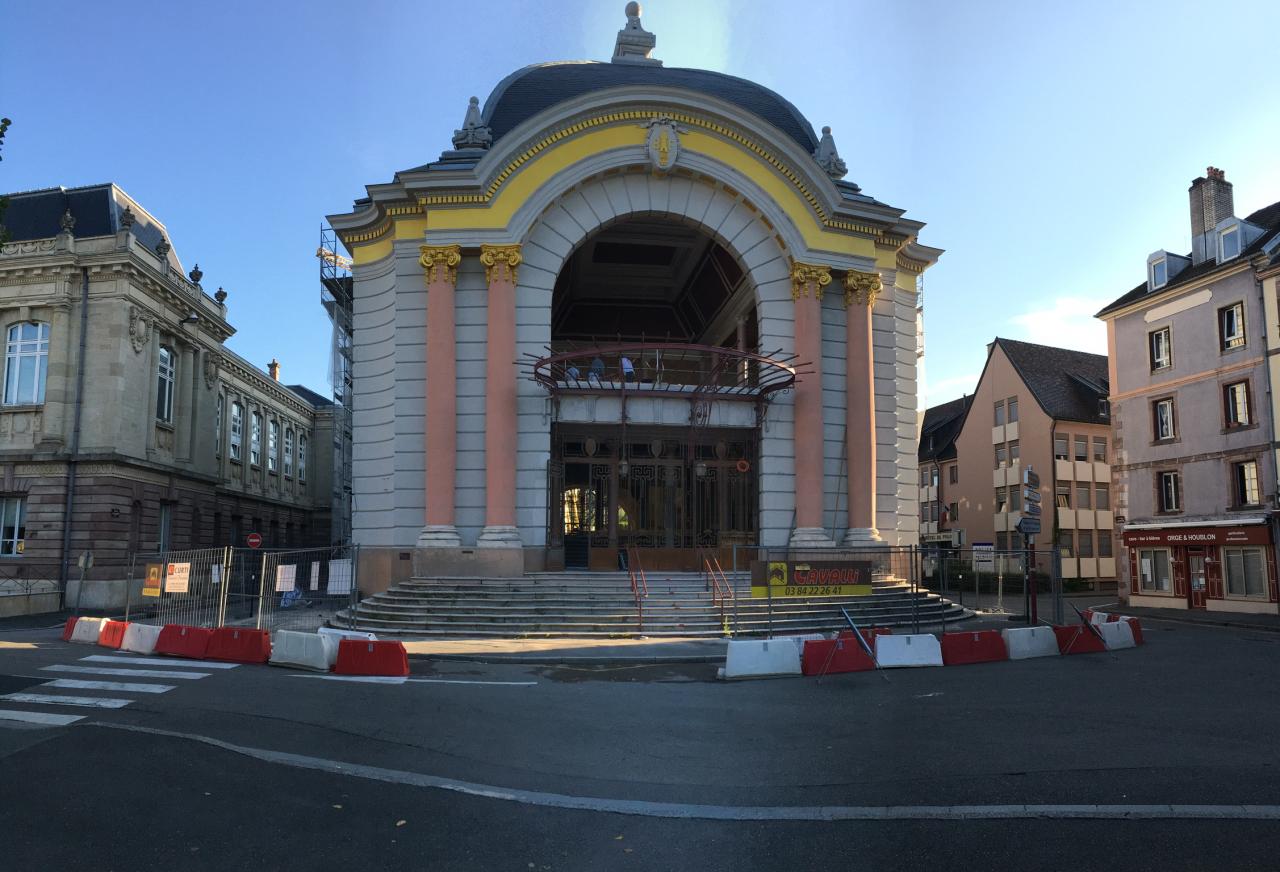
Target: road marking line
pixel 693 811
pixel 397 679
pixel 167 661
pixel 125 686
pixel 59 699
pixel 49 720
pixel 137 673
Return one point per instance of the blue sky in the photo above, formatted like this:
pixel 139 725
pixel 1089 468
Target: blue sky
pixel 1048 146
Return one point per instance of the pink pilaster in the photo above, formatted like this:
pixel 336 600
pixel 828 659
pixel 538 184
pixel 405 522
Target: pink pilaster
pixel 860 291
pixel 807 283
pixel 441 265
pixel 500 427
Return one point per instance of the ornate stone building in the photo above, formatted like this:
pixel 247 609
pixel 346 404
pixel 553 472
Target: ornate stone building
pixel 123 410
pixel 632 307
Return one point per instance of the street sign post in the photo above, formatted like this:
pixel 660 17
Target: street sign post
pixel 254 540
pixel 1028 526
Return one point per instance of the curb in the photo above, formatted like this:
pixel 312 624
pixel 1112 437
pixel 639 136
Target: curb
pixel 584 660
pixel 1265 628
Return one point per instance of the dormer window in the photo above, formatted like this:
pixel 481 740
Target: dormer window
pixel 1159 273
pixel 1229 243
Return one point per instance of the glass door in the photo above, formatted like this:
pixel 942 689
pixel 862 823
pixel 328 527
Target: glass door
pixel 1196 578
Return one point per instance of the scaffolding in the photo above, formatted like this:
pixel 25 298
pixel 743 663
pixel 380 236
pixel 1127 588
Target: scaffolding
pixel 335 296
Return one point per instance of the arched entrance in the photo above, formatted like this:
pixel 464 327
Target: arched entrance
pixel 658 385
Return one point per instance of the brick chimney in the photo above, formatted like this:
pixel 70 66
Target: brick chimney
pixel 273 369
pixel 1211 201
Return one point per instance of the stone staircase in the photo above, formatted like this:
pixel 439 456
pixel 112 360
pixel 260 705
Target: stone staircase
pixel 600 604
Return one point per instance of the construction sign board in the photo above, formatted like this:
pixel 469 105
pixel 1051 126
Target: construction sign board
pixel 151 585
pixel 796 578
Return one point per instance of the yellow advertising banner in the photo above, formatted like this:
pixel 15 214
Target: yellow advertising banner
pixel 151 586
pixel 779 578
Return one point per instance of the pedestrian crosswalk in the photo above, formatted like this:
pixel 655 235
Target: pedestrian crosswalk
pixel 101 682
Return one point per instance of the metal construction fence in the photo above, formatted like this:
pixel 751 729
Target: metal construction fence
pixel 297 589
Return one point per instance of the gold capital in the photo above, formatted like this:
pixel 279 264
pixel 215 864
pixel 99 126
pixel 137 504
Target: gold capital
pixel 861 288
pixel 805 274
pixel 441 262
pixel 500 261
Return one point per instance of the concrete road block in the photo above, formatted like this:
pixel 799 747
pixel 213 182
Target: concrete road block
pixel 303 650
pixel 758 658
pixel 1117 635
pixel 920 649
pixel 1026 642
pixel 87 630
pixel 141 638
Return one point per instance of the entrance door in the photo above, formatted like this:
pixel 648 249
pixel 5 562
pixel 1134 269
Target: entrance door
pixel 1196 579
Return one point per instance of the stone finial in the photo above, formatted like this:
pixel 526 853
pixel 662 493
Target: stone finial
pixel 634 42
pixel 195 275
pixel 163 247
pixel 127 218
pixel 220 295
pixel 827 156
pixel 67 222
pixel 273 369
pixel 474 133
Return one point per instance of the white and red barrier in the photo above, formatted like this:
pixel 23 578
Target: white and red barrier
pixel 87 630
pixel 920 649
pixel 141 638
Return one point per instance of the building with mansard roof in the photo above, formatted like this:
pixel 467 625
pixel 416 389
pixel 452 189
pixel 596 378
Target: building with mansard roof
pixel 632 307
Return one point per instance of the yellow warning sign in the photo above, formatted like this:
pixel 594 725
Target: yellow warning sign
pixel 151 586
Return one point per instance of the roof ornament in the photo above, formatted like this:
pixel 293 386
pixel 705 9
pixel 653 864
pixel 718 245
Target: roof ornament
pixel 828 158
pixel 220 295
pixel 67 222
pixel 634 42
pixel 196 275
pixel 163 247
pixel 127 218
pixel 474 133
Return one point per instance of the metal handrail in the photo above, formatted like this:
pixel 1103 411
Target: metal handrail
pixel 633 563
pixel 720 588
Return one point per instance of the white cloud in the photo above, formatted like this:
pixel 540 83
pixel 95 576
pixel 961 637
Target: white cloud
pixel 1067 323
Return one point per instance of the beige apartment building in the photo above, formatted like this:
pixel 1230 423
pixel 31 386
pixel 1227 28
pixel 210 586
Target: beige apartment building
pixel 124 413
pixel 1035 407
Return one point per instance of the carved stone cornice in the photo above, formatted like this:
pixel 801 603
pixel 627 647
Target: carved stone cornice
pixel 804 275
pixel 500 262
pixel 441 262
pixel 861 288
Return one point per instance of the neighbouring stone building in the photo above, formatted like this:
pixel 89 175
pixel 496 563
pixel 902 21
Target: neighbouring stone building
pixel 1034 407
pixel 1193 358
pixel 632 307
pixel 124 411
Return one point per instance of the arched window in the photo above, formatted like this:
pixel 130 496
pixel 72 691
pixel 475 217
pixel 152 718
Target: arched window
pixel 217 427
pixel 273 446
pixel 302 457
pixel 255 439
pixel 26 363
pixel 237 430
pixel 288 452
pixel 166 377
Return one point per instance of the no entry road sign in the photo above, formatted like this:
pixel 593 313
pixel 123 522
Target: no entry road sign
pixel 254 540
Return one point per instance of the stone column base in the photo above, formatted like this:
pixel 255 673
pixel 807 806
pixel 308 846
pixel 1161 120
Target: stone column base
pixel 863 537
pixel 811 537
pixel 499 536
pixel 439 536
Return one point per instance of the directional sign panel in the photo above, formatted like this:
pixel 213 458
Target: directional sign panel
pixel 1031 478
pixel 1031 496
pixel 1029 526
pixel 1031 509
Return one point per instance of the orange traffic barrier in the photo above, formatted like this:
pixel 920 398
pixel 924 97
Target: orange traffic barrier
pixel 983 646
pixel 358 657
pixel 112 634
pixel 177 640
pixel 239 645
pixel 70 626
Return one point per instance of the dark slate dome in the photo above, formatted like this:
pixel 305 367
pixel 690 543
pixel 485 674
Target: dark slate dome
pixel 528 91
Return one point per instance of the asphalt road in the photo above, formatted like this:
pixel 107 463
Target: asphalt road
pixel 473 766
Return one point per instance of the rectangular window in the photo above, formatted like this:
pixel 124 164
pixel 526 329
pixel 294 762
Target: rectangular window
pixel 255 438
pixel 1084 491
pixel 1002 500
pixel 237 430
pixel 1244 571
pixel 1084 543
pixel 924 476
pixel 1015 498
pixel 1246 483
pixel 1002 541
pixel 999 413
pixel 1236 404
pixel 1062 495
pixel 933 476
pixel 1230 243
pixel 1002 456
pixel 1153 569
pixel 273 446
pixel 953 473
pixel 935 509
pixel 1100 449
pixel 924 512
pixel 166 528
pixel 1162 425
pixel 1161 351
pixel 1159 273
pixel 166 378
pixel 13 526
pixel 953 513
pixel 1066 545
pixel 1082 448
pixel 1104 543
pixel 217 427
pixel 1101 496
pixel 288 453
pixel 1231 326
pixel 26 364
pixel 1014 452
pixel 302 458
pixel 1013 410
pixel 1060 447
pixel 1170 495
